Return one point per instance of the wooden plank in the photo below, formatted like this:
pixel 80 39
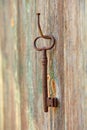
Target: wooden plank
pixel 1 90
pixel 75 64
pixel 56 64
pixel 10 91
pixel 31 90
pixel 1 80
pixel 21 46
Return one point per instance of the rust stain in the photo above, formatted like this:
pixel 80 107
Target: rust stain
pixel 53 85
pixel 55 109
pixel 12 22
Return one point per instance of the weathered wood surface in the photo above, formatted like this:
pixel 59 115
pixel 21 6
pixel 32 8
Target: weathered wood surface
pixel 21 106
pixel 75 64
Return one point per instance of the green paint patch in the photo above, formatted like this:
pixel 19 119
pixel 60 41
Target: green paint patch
pixel 51 81
pixel 28 5
pixel 52 75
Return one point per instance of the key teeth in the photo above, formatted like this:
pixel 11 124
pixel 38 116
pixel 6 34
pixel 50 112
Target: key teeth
pixel 52 102
pixel 55 102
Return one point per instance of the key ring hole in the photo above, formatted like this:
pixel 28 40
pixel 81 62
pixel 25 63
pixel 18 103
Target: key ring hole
pixel 44 47
pixel 43 43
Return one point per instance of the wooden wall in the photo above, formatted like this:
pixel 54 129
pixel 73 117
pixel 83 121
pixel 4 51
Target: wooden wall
pixel 21 104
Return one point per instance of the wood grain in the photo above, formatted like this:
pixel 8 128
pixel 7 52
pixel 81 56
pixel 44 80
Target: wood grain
pixel 75 63
pixel 21 102
pixel 10 88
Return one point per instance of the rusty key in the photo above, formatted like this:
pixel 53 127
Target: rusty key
pixel 47 101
